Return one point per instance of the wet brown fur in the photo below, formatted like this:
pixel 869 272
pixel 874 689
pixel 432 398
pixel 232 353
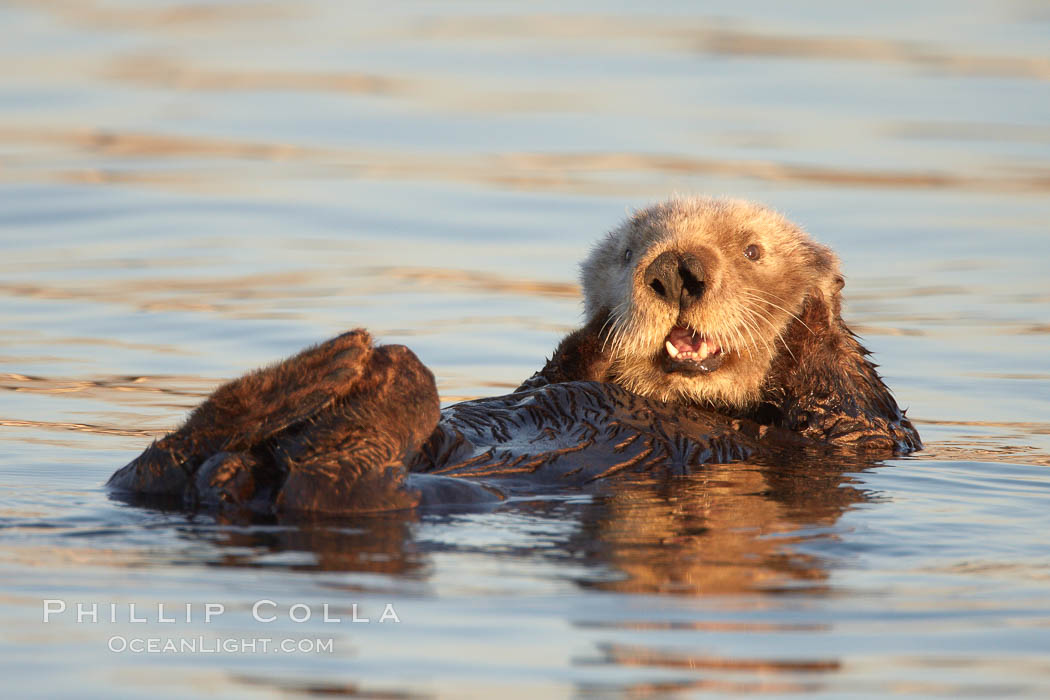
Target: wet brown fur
pixel 347 427
pixel 827 389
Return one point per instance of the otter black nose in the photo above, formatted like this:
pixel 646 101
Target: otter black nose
pixel 676 278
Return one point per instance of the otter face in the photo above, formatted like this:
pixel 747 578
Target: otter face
pixel 699 293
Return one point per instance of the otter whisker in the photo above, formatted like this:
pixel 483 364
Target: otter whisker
pixel 608 319
pixel 615 336
pixel 623 330
pixel 752 329
pixel 760 300
pixel 738 338
pixel 601 331
pixel 742 343
pixel 735 324
pixel 746 326
pixel 752 326
pixel 614 316
pixel 746 290
pixel 620 334
pixel 777 331
pixel 767 293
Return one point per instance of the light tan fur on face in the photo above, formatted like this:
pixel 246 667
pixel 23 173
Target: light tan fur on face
pixel 745 307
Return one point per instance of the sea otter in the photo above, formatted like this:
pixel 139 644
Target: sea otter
pixel 712 333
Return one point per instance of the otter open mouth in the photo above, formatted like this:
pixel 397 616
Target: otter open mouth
pixel 690 351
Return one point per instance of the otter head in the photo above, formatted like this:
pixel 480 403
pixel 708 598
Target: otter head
pixel 699 295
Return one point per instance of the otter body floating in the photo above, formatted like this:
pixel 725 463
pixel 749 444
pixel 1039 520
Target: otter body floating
pixel 713 333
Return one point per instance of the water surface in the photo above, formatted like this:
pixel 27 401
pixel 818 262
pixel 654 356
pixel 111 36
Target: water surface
pixel 191 190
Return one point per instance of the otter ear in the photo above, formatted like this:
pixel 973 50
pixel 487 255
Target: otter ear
pixel 832 291
pixel 829 280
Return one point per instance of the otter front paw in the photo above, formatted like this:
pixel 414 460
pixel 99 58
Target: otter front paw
pixel 580 356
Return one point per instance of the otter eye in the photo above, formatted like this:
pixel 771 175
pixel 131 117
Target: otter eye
pixel 627 255
pixel 752 252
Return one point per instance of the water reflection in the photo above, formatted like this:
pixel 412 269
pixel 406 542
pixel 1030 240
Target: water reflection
pixel 645 657
pixel 381 544
pixel 567 171
pixel 698 34
pixel 728 529
pixel 286 686
pixel 171 17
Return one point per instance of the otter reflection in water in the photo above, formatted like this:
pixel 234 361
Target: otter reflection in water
pixel 713 333
pixel 729 528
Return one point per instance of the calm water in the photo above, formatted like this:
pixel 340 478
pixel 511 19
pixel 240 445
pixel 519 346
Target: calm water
pixel 189 191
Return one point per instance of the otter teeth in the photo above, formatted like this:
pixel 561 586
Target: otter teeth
pixel 688 354
pixel 681 344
